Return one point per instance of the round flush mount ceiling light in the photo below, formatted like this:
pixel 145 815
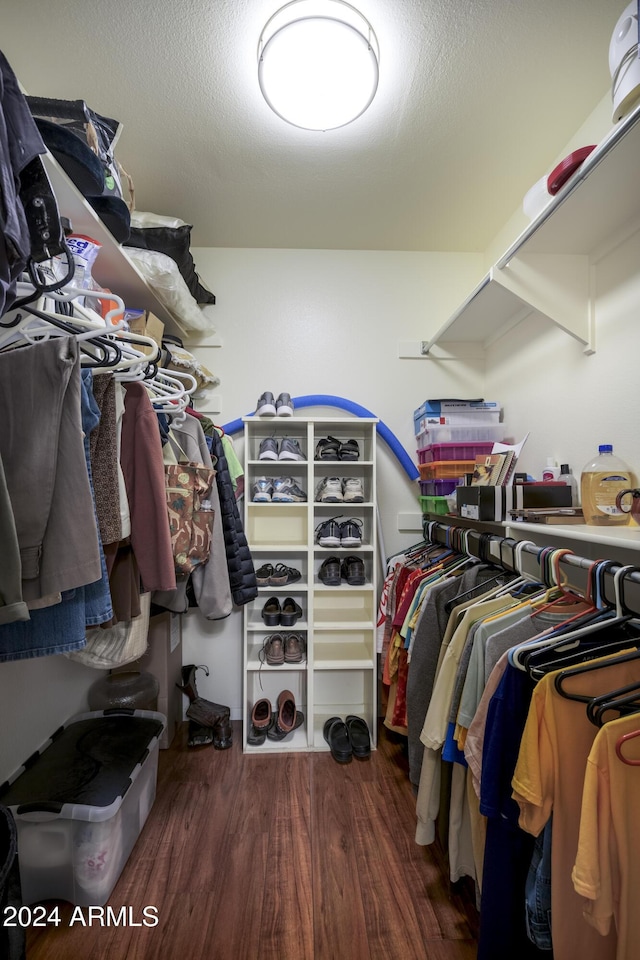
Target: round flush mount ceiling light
pixel 318 63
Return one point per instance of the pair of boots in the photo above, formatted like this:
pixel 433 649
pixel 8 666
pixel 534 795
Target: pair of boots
pixel 208 722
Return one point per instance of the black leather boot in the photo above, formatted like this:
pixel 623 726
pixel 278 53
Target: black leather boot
pixel 188 685
pixel 209 722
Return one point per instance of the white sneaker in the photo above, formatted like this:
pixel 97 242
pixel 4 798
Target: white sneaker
pixel 352 490
pixel 329 490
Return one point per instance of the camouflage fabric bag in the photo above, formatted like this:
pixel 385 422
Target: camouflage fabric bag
pixel 190 513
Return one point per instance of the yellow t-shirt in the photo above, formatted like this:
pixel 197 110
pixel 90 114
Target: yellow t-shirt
pixel 549 776
pixel 607 867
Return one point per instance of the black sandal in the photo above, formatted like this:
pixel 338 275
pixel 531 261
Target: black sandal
pixel 328 449
pixel 350 450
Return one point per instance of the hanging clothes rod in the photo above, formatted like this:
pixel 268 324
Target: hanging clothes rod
pixel 502 550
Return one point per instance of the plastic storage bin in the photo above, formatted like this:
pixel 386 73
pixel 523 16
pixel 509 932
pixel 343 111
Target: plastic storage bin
pixel 438 488
pixel 466 434
pixel 437 505
pixel 446 469
pixel 80 803
pixel 454 451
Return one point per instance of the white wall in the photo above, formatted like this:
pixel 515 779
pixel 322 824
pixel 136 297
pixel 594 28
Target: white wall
pixel 569 401
pixel 328 322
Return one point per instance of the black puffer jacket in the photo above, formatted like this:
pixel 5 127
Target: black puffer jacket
pixel 242 574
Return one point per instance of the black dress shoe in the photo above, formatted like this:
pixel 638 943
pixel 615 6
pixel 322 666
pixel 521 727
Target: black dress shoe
pixel 329 572
pixel 359 737
pixel 291 612
pixel 337 736
pixel 352 571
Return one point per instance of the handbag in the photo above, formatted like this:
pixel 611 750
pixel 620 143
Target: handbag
pixel 191 513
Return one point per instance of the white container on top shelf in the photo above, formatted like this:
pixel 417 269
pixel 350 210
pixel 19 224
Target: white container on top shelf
pixel 338 624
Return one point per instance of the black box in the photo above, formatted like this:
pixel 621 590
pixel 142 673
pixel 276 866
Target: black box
pixel 481 503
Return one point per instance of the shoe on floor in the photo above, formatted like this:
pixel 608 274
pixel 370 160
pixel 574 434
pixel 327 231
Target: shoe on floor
pixel 328 533
pixel 359 737
pixel 284 405
pixel 352 570
pixel 351 533
pixel 282 575
pixel 352 490
pixel 329 572
pixel 286 490
pixel 329 490
pixel 290 450
pixel 268 449
pixel 337 736
pixel 262 490
pixel 266 406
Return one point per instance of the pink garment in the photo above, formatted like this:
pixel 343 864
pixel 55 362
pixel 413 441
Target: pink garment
pixel 143 469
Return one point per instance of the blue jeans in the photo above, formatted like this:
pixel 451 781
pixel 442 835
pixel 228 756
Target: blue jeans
pixel 538 892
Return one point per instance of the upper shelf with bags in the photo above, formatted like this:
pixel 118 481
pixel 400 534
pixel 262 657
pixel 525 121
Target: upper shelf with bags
pixel 144 258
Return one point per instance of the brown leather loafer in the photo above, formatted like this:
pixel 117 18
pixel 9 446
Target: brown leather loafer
pixel 286 712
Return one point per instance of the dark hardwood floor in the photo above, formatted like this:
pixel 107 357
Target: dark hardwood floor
pixel 288 857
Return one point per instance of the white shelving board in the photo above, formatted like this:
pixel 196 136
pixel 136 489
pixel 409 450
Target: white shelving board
pixel 548 269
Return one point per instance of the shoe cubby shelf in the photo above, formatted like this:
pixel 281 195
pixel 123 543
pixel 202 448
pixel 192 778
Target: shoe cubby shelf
pixel 338 623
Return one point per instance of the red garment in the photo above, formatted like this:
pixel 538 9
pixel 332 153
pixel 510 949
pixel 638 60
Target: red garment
pixel 143 469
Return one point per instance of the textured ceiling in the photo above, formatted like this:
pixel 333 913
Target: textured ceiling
pixel 475 101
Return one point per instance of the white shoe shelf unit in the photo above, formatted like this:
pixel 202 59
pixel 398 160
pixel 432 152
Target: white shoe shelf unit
pixel 338 675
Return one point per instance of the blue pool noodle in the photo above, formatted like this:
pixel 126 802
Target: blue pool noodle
pixel 326 400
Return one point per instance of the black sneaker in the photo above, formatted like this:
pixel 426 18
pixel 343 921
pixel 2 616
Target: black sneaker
pixel 329 572
pixel 351 533
pixel 352 570
pixel 328 533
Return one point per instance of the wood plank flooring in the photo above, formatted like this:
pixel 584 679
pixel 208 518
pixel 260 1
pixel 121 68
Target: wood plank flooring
pixel 287 857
